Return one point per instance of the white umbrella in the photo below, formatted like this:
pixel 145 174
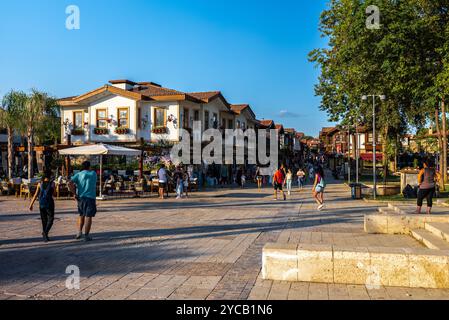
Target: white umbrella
pixel 100 150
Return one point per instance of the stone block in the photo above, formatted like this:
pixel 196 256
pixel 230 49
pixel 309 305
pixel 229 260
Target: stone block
pixel 280 262
pixel 429 269
pixel 351 265
pixel 398 224
pixel 315 263
pixel 376 224
pixel 389 267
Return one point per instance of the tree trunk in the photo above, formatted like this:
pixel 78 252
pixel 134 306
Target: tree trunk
pixel 443 112
pixel 440 138
pixel 10 152
pixel 30 154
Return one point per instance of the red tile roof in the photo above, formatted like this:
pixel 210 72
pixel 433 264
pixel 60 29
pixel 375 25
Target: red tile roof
pixel 266 123
pixel 206 96
pixel 238 108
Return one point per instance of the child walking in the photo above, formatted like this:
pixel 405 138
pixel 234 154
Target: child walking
pixel 46 190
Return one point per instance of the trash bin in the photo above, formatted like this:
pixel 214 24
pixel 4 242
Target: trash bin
pixel 356 191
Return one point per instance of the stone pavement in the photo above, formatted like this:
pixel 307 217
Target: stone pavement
pixel 206 247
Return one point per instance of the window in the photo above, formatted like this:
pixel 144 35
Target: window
pixel 78 121
pixel 215 121
pixel 102 118
pixel 206 120
pixel 238 124
pixel 196 115
pixel 159 118
pixel 139 118
pixel 230 124
pixel 223 123
pixel 186 123
pixel 123 118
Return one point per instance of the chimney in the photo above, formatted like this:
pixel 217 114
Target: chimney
pixel 123 84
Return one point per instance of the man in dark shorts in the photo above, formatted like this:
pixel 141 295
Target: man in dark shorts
pixel 278 182
pixel 84 186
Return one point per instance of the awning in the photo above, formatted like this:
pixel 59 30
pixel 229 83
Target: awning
pixel 100 149
pixel 369 156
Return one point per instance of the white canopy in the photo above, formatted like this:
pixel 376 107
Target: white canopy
pixel 100 149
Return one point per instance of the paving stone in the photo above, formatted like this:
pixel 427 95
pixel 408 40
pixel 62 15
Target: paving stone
pixel 206 247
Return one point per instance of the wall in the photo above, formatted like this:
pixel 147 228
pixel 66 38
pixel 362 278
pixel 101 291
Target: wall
pixel 112 104
pixel 147 110
pixel 67 113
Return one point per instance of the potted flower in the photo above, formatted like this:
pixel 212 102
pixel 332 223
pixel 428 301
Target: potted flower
pixel 101 131
pixel 77 132
pixel 161 130
pixel 122 130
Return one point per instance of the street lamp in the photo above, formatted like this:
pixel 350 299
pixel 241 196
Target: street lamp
pixel 382 98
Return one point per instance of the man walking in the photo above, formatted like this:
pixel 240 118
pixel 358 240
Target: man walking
pixel 278 182
pixel 84 186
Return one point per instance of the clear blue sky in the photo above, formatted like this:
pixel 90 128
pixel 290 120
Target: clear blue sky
pixel 253 51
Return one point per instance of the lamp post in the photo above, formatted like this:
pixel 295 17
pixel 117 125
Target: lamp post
pixel 382 98
pixel 349 151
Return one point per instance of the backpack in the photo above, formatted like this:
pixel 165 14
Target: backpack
pixel 46 196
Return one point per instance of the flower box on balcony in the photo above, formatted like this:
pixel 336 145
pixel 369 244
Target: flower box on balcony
pixel 162 130
pixel 101 131
pixel 122 130
pixel 77 132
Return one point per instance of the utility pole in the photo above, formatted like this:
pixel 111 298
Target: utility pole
pixel 443 111
pixel 382 98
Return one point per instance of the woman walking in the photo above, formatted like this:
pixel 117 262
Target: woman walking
pixel 178 177
pixel 46 190
pixel 318 187
pixel 428 177
pixel 288 181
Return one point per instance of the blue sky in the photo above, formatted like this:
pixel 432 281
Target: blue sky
pixel 253 51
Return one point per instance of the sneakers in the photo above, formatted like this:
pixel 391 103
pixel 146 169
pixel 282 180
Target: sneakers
pixel 320 207
pixel 79 236
pixel 285 197
pixel 87 238
pixel 45 236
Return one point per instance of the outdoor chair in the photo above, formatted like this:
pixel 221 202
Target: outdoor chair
pixel 62 189
pixel 6 188
pixel 27 190
pixel 193 184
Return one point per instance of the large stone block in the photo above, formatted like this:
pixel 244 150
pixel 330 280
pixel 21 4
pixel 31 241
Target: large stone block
pixel 315 263
pixel 351 265
pixel 429 269
pixel 376 224
pixel 389 267
pixel 280 262
pixel 398 224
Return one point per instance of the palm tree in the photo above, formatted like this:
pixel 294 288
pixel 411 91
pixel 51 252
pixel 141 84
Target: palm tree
pixel 11 111
pixel 39 106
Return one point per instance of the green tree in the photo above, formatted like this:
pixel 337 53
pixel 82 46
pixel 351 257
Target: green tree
pixel 13 105
pixel 403 60
pixel 39 108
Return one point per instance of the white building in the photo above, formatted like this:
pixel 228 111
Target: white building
pixel 126 111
